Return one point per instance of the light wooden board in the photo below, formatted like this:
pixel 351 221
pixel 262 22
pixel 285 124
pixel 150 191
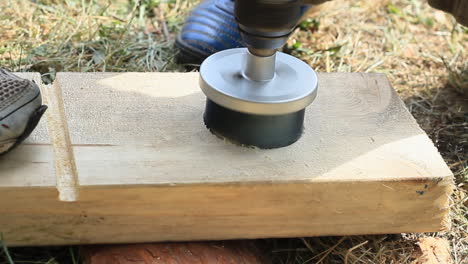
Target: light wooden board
pixel 137 164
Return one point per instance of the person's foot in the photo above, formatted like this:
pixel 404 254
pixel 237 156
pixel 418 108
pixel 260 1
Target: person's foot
pixel 210 27
pixel 20 109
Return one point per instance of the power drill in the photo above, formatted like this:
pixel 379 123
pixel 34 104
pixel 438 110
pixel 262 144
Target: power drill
pixel 257 96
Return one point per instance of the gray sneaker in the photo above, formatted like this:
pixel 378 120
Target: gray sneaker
pixel 20 109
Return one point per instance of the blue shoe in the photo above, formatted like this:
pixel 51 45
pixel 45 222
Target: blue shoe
pixel 210 27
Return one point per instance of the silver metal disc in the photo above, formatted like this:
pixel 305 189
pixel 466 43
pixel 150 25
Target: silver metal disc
pixel 293 87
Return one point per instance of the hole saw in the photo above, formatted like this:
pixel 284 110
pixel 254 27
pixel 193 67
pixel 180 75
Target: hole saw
pixel 256 96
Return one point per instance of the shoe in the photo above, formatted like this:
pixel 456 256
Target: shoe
pixel 210 27
pixel 20 110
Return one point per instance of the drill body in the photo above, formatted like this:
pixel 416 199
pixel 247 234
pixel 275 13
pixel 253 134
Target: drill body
pixel 266 25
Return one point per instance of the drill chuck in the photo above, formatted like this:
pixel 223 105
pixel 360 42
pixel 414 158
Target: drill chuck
pixel 267 24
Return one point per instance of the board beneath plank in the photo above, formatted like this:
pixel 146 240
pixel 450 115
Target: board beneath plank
pixel 141 166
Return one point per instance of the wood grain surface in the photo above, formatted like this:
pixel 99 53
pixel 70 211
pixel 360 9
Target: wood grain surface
pixel 147 169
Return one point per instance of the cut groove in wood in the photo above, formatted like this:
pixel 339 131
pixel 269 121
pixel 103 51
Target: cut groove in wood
pixel 149 170
pixel 65 167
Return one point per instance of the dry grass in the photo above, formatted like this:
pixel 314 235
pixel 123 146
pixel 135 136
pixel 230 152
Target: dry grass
pixel 72 35
pixel 422 51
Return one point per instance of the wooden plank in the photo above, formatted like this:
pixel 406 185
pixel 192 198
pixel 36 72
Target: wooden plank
pixel 148 170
